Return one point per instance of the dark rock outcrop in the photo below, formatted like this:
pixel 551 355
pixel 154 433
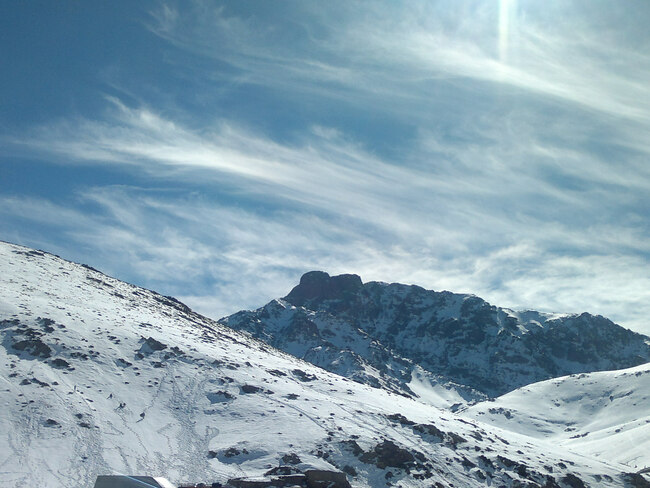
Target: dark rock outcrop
pixel 375 332
pixel 318 478
pixel 388 454
pixel 636 480
pixel 35 347
pixel 151 345
pixel 318 286
pixel 311 478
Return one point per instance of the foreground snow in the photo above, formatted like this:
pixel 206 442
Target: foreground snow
pixel 604 414
pixel 102 377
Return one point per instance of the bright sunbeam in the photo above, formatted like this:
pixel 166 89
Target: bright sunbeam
pixel 506 7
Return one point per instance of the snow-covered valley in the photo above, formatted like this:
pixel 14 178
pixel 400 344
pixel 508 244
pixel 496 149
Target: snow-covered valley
pixel 604 414
pixel 100 377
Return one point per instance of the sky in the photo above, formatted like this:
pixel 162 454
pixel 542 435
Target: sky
pixel 215 151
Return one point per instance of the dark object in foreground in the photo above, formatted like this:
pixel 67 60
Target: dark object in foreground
pixel 123 481
pixel 311 478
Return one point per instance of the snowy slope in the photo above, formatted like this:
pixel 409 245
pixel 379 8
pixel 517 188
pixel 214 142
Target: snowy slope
pixel 605 414
pixel 99 377
pixel 379 334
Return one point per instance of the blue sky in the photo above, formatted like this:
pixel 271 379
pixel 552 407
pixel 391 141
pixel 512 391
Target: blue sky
pixel 215 151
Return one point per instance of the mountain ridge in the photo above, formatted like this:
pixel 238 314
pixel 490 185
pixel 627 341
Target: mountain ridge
pixel 340 322
pixel 101 377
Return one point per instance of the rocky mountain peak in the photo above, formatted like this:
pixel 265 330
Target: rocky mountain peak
pixel 84 357
pixel 376 332
pixel 319 285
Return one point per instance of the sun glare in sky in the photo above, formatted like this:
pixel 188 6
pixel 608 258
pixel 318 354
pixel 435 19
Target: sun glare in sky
pixel 217 150
pixel 507 11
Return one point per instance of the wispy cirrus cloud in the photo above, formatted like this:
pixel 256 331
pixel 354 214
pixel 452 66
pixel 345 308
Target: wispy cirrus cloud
pixel 377 49
pixel 422 143
pixel 483 219
pixel 220 259
pixel 473 185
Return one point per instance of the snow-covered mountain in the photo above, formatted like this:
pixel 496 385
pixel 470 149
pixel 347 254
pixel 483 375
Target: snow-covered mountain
pixel 403 337
pixel 100 377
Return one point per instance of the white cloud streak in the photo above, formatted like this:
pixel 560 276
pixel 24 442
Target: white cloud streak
pixel 518 204
pixel 449 228
pixel 387 48
pixel 220 259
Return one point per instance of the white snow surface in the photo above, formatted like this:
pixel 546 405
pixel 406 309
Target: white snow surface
pixel 604 414
pixel 439 391
pixel 87 389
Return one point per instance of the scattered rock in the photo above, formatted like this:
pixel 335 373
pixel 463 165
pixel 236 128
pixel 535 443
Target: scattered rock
pixel 282 470
pixel 34 347
pixel 219 396
pixel 573 481
pixel 400 419
pixel 508 463
pixel 455 439
pixel 429 429
pixel 233 451
pixel 151 345
pixel 60 363
pixel 317 478
pixel 250 389
pixel 303 376
pixel 386 454
pixel 467 463
pixel 353 446
pixel 276 372
pixel 636 480
pixel 291 458
pixel 79 355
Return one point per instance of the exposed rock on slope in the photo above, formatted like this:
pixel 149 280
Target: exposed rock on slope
pixel 134 382
pixel 377 332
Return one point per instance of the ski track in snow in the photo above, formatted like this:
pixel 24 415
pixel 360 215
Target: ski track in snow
pixel 181 412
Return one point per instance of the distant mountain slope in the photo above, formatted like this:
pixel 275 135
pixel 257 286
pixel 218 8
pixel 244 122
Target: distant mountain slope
pixel 377 332
pixel 605 414
pixel 100 377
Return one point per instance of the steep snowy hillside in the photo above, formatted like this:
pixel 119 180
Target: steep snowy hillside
pixel 102 377
pixel 377 333
pixel 605 414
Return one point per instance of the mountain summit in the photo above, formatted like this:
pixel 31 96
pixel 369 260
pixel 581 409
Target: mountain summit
pixel 100 377
pixel 401 336
pixel 317 286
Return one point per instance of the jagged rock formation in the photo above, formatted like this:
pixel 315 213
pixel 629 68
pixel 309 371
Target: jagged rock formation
pixel 114 378
pixel 377 332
